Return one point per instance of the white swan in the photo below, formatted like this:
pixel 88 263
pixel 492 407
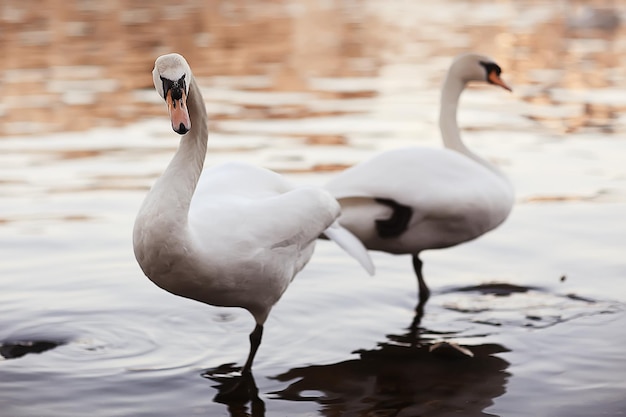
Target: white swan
pixel 407 200
pixel 234 235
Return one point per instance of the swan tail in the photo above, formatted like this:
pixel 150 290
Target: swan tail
pixel 351 245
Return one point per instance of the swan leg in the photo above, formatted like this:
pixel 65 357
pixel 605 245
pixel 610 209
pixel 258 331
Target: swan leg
pixel 414 329
pixel 424 292
pixel 255 342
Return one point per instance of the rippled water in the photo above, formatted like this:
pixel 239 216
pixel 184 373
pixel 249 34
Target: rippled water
pixel 540 302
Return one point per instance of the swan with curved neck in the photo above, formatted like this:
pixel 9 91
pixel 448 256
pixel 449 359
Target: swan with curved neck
pixel 233 235
pixel 408 200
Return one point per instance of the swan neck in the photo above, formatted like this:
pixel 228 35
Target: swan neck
pixel 172 192
pixel 450 95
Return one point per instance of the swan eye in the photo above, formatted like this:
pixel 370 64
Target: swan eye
pixel 491 67
pixel 177 87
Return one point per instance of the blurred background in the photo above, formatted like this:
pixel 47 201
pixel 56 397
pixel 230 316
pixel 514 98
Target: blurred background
pixel 79 64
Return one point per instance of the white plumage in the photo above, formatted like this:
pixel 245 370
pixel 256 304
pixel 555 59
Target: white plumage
pixel 233 235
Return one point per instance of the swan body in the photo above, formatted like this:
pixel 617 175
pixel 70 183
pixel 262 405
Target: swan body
pixel 224 248
pixel 233 235
pixel 453 199
pixel 408 200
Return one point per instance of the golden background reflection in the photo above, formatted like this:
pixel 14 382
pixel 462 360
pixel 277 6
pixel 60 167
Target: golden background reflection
pixel 78 64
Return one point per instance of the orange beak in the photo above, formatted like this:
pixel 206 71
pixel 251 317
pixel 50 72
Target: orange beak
pixel 495 79
pixel 178 112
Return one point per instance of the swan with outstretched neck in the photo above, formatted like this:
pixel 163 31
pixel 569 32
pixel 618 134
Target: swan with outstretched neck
pixel 412 199
pixel 233 235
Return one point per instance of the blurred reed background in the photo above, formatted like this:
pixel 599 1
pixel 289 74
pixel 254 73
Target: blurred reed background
pixel 78 64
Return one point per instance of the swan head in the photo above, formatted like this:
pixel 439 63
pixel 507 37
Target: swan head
pixel 474 67
pixel 171 77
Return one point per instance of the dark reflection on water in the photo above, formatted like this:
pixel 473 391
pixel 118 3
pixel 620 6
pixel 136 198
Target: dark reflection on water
pixel 405 376
pixel 240 394
pixel 501 289
pixel 422 371
pixel 12 350
pixel 402 380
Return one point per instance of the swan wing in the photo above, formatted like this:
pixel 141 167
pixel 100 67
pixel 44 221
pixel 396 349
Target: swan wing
pixel 351 245
pixel 420 177
pixel 236 199
pixel 237 178
pixel 257 213
pixel 264 202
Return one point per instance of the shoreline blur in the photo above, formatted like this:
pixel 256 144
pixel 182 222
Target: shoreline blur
pixel 82 64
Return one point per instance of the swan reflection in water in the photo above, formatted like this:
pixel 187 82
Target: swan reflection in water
pixel 404 376
pixel 402 381
pixel 236 392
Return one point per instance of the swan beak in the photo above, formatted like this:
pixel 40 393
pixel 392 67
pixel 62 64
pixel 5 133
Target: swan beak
pixel 494 78
pixel 177 108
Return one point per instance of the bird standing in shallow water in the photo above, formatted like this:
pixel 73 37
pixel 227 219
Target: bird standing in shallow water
pixel 233 235
pixel 408 200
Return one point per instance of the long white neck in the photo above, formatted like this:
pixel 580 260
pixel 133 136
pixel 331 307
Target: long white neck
pixel 170 196
pixel 450 94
